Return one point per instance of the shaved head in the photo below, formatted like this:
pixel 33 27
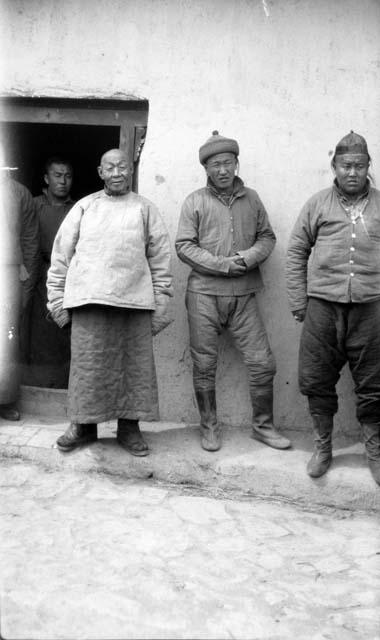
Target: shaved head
pixel 113 155
pixel 116 171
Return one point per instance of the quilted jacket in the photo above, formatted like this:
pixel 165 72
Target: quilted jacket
pixel 110 250
pixel 211 233
pixel 343 244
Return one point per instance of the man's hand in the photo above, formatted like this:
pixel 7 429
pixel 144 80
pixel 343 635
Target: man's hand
pixel 161 317
pixel 299 315
pixel 24 275
pixel 62 319
pixel 237 267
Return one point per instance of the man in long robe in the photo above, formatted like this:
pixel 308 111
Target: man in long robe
pixel 110 277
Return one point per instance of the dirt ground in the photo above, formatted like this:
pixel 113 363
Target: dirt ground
pixel 90 556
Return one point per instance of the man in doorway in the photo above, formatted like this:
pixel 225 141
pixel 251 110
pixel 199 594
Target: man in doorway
pixel 337 296
pixel 110 277
pixel 19 251
pixel 49 351
pixel 224 235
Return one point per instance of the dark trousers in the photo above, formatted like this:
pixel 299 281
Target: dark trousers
pixel 333 334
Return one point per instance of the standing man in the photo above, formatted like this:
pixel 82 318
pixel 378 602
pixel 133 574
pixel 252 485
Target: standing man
pixel 19 251
pixel 55 201
pixel 224 235
pixel 49 351
pixel 110 276
pixel 338 297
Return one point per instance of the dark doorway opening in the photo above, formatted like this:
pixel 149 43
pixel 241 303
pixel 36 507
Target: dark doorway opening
pixel 80 130
pixel 28 145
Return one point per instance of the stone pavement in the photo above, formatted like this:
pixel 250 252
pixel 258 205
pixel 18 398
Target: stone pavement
pixel 90 556
pixel 243 466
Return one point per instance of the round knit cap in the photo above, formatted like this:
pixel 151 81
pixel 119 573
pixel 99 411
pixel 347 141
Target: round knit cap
pixel 351 143
pixel 217 144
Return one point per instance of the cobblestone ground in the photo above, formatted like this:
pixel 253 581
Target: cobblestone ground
pixel 90 557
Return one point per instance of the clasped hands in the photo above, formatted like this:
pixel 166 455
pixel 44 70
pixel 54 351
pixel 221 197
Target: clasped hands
pixel 237 267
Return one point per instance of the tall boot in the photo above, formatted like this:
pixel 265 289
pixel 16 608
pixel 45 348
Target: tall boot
pixel 262 428
pixel 371 434
pixel 321 459
pixel 130 437
pixel 211 434
pixel 76 435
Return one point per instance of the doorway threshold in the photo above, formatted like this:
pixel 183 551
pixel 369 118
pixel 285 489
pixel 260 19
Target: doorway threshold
pixel 42 401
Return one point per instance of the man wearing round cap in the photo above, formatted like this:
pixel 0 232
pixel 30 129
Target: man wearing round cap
pixel 224 235
pixel 337 294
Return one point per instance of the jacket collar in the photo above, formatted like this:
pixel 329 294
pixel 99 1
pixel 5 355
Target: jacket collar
pixel 68 200
pixel 350 201
pixel 238 189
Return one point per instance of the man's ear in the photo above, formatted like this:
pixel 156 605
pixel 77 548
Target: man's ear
pixel 100 172
pixel 46 179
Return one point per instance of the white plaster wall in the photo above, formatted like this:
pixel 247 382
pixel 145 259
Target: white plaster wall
pixel 286 78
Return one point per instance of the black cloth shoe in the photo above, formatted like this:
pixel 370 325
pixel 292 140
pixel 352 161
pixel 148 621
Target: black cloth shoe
pixel 77 435
pixel 7 412
pixel 130 437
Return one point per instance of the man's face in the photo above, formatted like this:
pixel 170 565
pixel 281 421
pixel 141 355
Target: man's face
pixel 59 179
pixel 115 172
pixel 351 171
pixel 221 170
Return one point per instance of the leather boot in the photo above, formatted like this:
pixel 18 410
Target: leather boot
pixel 371 434
pixel 76 435
pixel 262 428
pixel 211 434
pixel 130 437
pixel 321 459
pixel 8 412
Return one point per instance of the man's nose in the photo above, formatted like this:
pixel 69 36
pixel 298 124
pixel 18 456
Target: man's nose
pixel 352 171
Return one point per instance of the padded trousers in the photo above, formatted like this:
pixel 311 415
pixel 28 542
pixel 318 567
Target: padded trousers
pixel 333 334
pixel 208 316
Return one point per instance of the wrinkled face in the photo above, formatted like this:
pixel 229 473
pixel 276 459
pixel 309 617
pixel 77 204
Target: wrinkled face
pixel 221 170
pixel 115 171
pixel 59 179
pixel 351 170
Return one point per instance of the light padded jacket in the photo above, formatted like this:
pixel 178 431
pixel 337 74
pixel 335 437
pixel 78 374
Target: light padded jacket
pixel 110 250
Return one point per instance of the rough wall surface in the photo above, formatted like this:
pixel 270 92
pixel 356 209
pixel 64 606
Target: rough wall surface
pixel 287 78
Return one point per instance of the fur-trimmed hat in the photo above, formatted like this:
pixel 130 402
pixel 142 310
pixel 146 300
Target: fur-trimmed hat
pixel 217 144
pixel 351 143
